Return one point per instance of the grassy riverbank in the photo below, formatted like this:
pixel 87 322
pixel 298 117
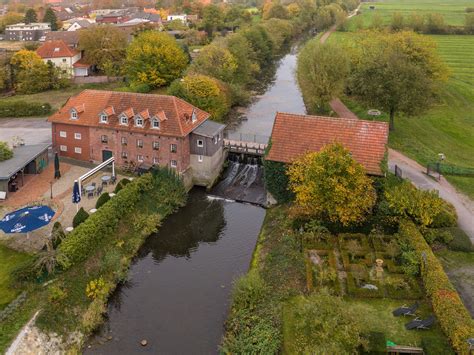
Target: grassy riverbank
pixel 94 259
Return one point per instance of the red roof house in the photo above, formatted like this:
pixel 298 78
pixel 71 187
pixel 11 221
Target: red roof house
pixel 294 135
pixel 63 57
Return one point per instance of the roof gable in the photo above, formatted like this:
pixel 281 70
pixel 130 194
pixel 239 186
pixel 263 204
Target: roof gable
pixel 55 49
pixel 294 135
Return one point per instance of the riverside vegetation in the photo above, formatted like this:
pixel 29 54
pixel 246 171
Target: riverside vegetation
pixel 289 303
pixel 70 284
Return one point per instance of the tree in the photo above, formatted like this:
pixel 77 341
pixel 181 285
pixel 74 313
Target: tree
pixel 216 61
pixel 243 53
pixel 212 19
pixel 398 73
pixel 3 78
pixel 105 46
pixel 203 92
pixel 50 17
pixel 416 22
pixel 280 32
pixel 331 185
pixel 325 324
pixel 30 16
pixel 322 72
pixel 30 72
pixel 10 19
pixel 275 11
pixel 435 23
pixel 155 59
pixel 5 151
pixel 261 44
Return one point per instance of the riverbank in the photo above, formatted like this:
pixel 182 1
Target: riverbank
pixel 72 301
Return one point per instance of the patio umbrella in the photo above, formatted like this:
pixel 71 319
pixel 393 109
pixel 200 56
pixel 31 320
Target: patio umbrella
pixel 76 195
pixel 57 172
pixel 26 219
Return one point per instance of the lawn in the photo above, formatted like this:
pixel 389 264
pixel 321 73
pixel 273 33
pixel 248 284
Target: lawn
pixel 453 11
pixel 449 126
pixel 377 317
pixel 9 260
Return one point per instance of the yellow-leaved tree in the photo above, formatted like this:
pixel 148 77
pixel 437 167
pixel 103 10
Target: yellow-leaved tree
pixel 330 184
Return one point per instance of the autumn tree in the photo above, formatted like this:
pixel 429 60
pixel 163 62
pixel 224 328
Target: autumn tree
pixel 322 72
pixel 330 184
pixel 216 61
pixel 399 73
pixel 275 10
pixel 212 19
pixel 155 59
pixel 30 16
pixel 50 17
pixel 104 46
pixel 204 92
pixel 247 66
pixel 279 31
pixel 30 72
pixel 10 19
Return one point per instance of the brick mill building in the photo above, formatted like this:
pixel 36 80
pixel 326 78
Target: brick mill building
pixel 140 130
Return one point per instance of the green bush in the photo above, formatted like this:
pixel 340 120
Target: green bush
pixel 447 217
pixel 461 241
pixel 80 217
pixel 276 180
pixel 5 152
pixel 24 109
pixel 121 184
pixel 439 235
pixel 377 343
pixel 102 200
pixel 57 234
pixel 140 88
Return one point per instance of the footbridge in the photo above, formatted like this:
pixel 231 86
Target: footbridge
pixel 251 144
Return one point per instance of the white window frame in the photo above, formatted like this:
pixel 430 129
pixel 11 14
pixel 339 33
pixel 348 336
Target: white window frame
pixel 63 148
pixel 138 143
pixel 156 145
pixel 102 140
pixel 73 114
pixel 156 161
pixel 139 119
pixel 200 158
pixel 174 163
pixel 78 150
pixel 103 118
pixel 124 155
pixel 63 134
pixel 77 136
pixel 124 120
pixel 202 143
pixel 171 148
pixel 124 141
pixel 157 121
pixel 140 158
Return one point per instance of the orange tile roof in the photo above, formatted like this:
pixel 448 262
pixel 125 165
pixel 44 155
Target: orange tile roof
pixel 173 112
pixel 55 49
pixel 294 135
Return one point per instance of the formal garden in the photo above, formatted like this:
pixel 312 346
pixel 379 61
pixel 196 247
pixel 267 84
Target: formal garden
pixel 320 285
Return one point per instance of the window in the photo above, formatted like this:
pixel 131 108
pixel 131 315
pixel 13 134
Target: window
pixel 200 158
pixel 77 150
pixel 155 123
pixel 124 155
pixel 140 158
pixel 63 148
pixel 63 134
pixel 103 118
pixel 174 148
pixel 104 139
pixel 124 140
pixel 215 139
pixel 174 163
pixel 155 161
pixel 77 136
pixel 156 145
pixel 64 60
pixel 124 120
pixel 200 143
pixel 73 114
pixel 140 143
pixel 139 122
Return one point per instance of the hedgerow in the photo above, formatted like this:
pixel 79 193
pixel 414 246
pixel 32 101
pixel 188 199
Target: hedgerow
pixel 452 315
pixel 24 109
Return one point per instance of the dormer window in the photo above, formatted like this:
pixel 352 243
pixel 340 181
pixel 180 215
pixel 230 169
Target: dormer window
pixel 193 117
pixel 139 121
pixel 124 120
pixel 73 114
pixel 103 118
pixel 155 123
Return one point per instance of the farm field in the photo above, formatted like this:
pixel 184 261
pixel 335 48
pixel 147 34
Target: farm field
pixel 449 126
pixel 453 11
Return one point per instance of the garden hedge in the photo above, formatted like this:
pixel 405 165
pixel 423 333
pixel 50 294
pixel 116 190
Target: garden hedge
pixel 24 109
pixel 276 181
pixel 451 313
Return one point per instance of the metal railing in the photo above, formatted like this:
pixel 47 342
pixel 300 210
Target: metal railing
pixel 246 137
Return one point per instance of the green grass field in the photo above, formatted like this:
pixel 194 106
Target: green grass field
pixel 453 11
pixel 449 126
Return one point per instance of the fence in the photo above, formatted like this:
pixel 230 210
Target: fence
pixel 246 137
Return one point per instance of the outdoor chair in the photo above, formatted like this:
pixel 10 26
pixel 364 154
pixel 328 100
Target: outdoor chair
pixel 94 184
pixel 99 190
pixel 90 195
pixel 406 311
pixel 418 323
pixel 104 183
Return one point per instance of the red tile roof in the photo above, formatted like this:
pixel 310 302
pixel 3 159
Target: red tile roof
pixel 294 135
pixel 55 49
pixel 174 114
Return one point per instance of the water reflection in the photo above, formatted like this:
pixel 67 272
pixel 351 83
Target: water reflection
pixel 178 293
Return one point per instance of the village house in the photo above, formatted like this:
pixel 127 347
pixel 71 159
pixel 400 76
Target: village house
pixel 70 38
pixel 79 24
pixel 140 130
pixel 27 32
pixel 294 135
pixel 63 57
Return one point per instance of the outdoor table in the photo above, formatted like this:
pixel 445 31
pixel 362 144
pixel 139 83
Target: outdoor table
pixel 106 178
pixel 89 188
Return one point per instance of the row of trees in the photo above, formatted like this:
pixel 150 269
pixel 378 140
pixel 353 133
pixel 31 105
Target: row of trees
pixel 400 73
pixel 49 17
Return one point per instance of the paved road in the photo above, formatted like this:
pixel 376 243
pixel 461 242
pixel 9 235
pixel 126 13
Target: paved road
pixel 32 130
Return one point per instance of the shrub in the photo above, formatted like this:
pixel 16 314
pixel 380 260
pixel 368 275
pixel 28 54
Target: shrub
pixel 461 241
pixel 105 197
pixel 56 294
pixel 140 87
pixel 57 234
pixel 447 217
pixel 24 109
pixel 442 236
pixel 96 289
pixel 80 217
pixel 276 180
pixel 5 152
pixel 121 184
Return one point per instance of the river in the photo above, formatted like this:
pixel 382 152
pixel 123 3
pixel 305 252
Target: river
pixel 178 291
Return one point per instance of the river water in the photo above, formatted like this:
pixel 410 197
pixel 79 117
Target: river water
pixel 178 292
